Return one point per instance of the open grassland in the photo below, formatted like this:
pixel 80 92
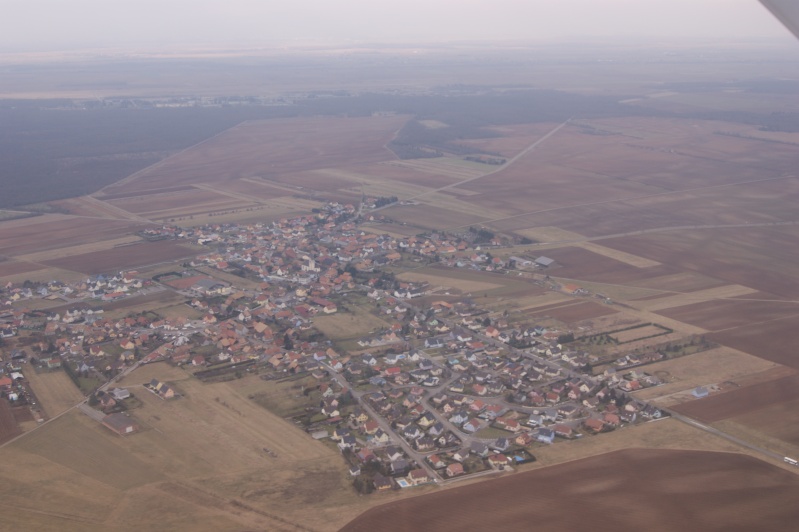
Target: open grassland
pixel 90 450
pixel 439 282
pixel 158 370
pixel 349 324
pixel 725 491
pixel 55 390
pixel 197 464
pixel 154 302
pixel 284 398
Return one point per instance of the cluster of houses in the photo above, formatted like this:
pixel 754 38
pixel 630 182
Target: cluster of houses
pixel 516 379
pixel 97 288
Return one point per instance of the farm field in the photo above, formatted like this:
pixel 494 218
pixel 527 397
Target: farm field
pixel 9 268
pixel 295 144
pixel 438 282
pixel 733 255
pixel 772 340
pixel 574 311
pixel 8 424
pixel 155 302
pixel 715 366
pixel 163 204
pixel 776 421
pixel 670 218
pixel 57 231
pixel 124 257
pixel 743 400
pixel 666 301
pixel 637 334
pixel 679 282
pixel 80 249
pixel 55 390
pixel 578 263
pixel 721 315
pixel 726 491
pixel 627 258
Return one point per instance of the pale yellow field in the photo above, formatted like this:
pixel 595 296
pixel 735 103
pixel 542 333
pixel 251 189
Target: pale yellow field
pixel 550 298
pixel 445 166
pixel 678 300
pixel 55 390
pixel 665 434
pixel 79 249
pixel 436 281
pixel 549 234
pixel 442 200
pixel 158 370
pixel 47 274
pixel 621 256
pixel 374 184
pixel 197 464
pixel 635 334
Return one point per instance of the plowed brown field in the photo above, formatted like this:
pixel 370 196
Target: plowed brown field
pixel 625 490
pixel 742 400
pixel 124 257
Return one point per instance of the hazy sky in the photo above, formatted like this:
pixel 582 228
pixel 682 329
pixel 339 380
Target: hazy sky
pixel 56 24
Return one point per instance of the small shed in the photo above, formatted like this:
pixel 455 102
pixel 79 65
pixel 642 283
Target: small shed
pixel 700 392
pixel 120 423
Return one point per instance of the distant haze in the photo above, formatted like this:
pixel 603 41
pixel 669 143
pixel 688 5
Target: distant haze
pixel 47 25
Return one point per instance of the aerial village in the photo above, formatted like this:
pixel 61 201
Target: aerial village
pixel 448 390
